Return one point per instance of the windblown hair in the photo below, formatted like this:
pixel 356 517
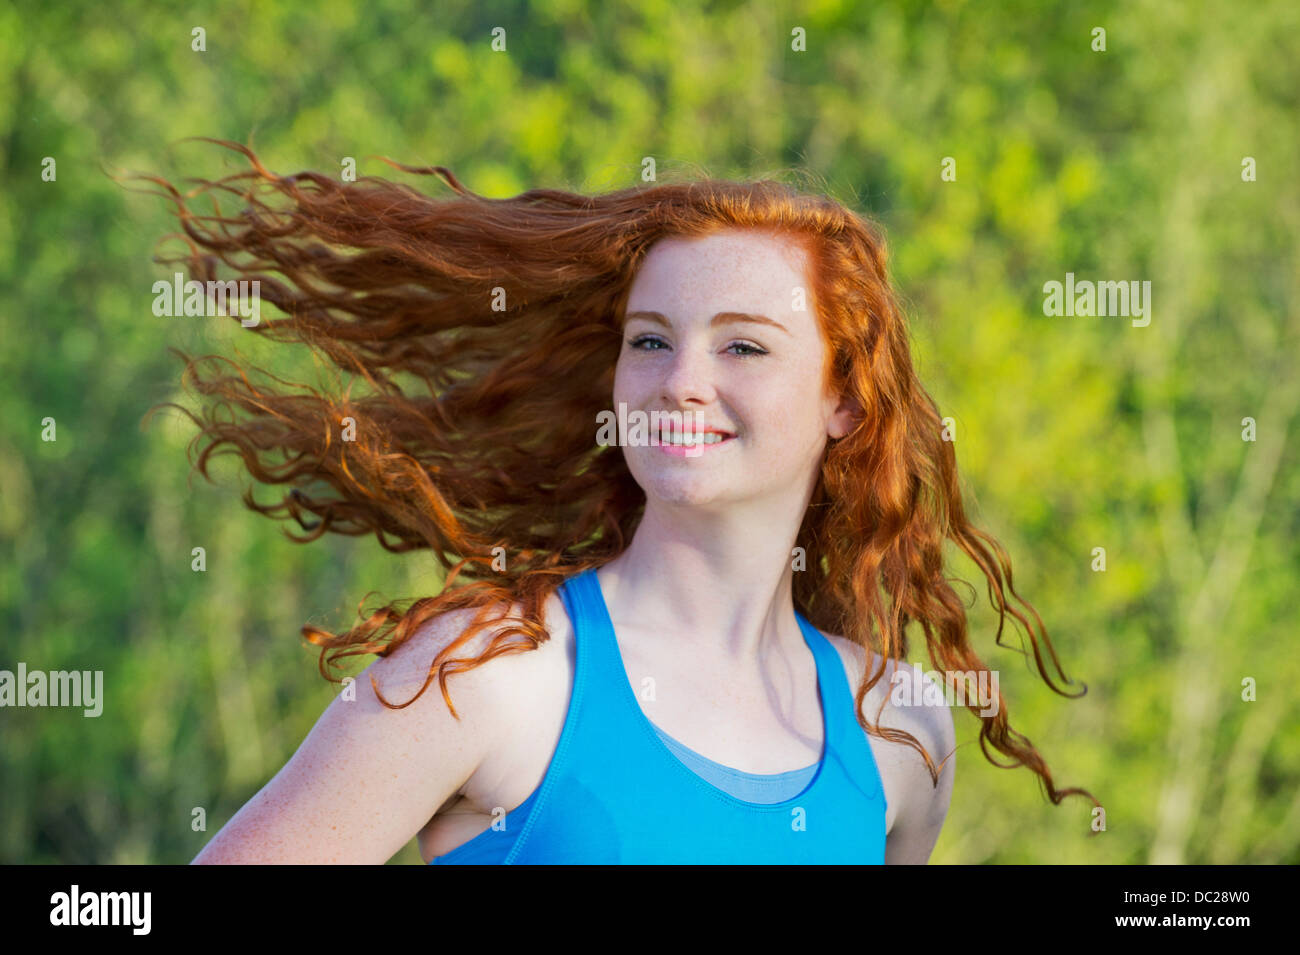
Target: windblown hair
pixel 506 315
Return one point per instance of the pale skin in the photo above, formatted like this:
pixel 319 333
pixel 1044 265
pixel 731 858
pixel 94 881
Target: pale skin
pixel 701 601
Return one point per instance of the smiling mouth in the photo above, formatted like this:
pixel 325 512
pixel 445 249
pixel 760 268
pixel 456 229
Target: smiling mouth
pixel 695 441
pixel 687 441
pixel 695 437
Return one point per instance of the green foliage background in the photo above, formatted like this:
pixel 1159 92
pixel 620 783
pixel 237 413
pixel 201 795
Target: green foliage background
pixel 1072 433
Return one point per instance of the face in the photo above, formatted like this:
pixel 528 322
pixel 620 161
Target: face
pixel 713 329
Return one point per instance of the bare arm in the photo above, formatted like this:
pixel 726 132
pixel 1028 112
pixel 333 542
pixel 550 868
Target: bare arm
pixel 368 777
pixel 920 816
pixel 919 806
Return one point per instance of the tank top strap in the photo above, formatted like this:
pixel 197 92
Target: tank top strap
pixel 597 647
pixel 846 735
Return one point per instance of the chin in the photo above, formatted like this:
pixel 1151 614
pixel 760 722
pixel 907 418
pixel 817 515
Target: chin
pixel 688 492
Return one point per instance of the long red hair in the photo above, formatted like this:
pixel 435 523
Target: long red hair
pixel 487 331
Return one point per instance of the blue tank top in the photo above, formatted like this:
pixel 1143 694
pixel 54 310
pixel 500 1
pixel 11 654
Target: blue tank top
pixel 615 792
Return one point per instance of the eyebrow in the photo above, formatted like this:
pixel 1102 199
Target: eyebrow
pixel 722 318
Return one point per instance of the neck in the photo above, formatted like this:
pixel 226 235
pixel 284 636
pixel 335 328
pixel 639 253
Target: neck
pixel 718 581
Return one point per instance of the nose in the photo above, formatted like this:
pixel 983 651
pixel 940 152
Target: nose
pixel 688 377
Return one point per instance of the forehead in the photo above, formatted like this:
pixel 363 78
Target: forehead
pixel 734 269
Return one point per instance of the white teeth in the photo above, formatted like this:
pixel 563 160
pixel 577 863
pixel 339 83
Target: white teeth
pixel 681 439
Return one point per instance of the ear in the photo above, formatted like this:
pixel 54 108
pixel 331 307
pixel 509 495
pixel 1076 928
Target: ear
pixel 845 417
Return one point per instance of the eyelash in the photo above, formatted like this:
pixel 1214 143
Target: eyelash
pixel 755 350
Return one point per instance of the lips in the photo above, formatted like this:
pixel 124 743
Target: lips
pixel 693 443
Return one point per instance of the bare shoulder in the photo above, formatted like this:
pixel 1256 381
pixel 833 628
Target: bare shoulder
pixel 407 667
pixel 931 725
pixel 521 700
pixel 916 806
pixel 484 696
pixel 369 775
pixel 506 704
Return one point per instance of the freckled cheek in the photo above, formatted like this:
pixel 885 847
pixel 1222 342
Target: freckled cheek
pixel 789 427
pixel 627 384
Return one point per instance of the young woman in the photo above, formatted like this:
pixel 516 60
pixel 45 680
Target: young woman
pixel 683 646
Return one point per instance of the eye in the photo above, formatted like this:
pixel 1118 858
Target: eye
pixel 751 351
pixel 640 339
